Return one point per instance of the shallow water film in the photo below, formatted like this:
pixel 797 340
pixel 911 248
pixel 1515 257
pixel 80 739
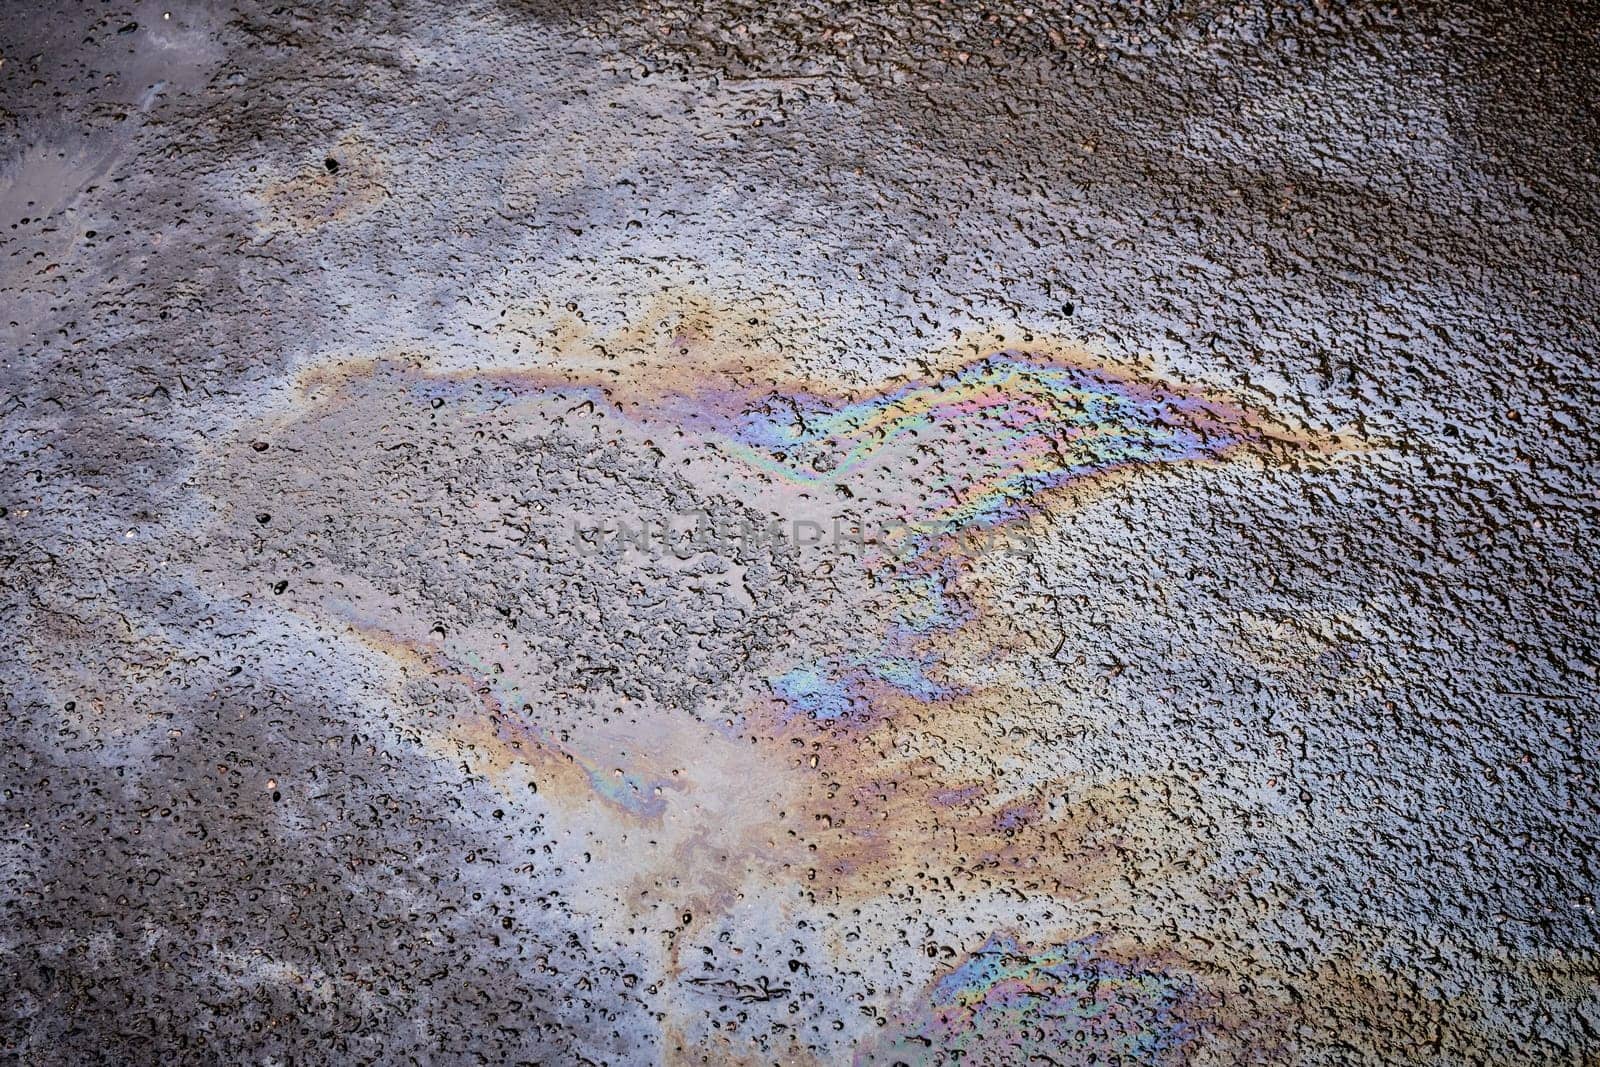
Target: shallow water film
pixel 735 533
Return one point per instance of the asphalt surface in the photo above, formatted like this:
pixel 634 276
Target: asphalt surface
pixel 736 533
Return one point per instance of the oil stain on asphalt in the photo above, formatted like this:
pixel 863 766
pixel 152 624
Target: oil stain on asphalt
pixel 877 534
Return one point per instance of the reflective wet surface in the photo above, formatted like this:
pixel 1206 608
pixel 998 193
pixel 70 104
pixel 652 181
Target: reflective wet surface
pixel 835 534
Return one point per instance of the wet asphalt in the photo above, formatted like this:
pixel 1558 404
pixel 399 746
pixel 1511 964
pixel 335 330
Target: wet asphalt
pixel 1193 658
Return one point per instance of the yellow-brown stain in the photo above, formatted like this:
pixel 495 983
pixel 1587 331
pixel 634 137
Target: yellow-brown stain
pixel 347 182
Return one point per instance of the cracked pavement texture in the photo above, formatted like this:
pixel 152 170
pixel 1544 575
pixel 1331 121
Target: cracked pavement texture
pixel 1226 696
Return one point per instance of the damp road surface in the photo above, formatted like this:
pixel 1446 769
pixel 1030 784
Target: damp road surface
pixel 821 533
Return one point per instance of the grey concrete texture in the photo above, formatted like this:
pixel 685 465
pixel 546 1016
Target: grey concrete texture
pixel 1149 610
